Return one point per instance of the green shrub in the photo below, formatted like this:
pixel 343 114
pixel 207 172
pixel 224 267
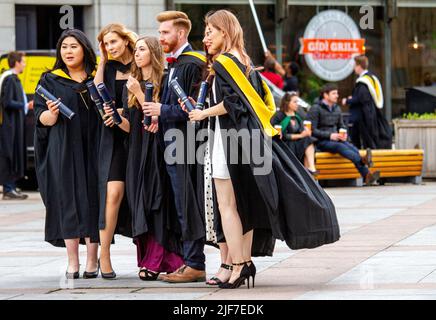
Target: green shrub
pixel 416 116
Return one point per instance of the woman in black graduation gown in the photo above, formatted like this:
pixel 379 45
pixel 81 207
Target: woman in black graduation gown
pixel 66 153
pixel 296 136
pixel 117 43
pixel 156 230
pixel 278 196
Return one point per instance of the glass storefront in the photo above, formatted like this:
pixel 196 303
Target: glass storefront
pixel 413 49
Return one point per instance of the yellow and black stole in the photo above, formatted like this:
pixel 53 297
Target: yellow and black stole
pixel 261 108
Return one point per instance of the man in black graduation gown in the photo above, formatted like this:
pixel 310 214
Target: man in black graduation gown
pixel 369 126
pixel 13 108
pixel 186 66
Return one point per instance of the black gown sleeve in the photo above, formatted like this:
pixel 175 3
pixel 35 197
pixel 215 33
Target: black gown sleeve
pixel 39 103
pixel 8 95
pixel 277 118
pixel 125 100
pixel 235 108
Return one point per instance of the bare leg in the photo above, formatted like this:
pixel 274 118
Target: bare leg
pixel 91 255
pixel 73 255
pixel 231 222
pixel 310 158
pixel 115 193
pixel 248 241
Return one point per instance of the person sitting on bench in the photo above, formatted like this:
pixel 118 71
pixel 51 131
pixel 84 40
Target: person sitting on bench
pixel 329 129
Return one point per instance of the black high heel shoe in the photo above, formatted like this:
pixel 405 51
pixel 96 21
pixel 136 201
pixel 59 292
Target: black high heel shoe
pixel 252 268
pixel 72 275
pixel 91 275
pixel 108 275
pixel 244 275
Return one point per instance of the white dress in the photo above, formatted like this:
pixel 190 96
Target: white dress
pixel 219 162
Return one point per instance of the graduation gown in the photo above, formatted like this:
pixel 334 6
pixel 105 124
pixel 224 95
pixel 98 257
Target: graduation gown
pixel 66 162
pixel 375 132
pixel 188 70
pixel 285 202
pixel 149 192
pixel 12 126
pixel 106 148
pixel 298 147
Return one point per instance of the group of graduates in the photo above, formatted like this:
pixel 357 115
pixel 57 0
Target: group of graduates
pixel 98 178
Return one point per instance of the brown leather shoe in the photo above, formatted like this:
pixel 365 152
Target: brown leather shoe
pixel 185 274
pixel 371 178
pixel 162 276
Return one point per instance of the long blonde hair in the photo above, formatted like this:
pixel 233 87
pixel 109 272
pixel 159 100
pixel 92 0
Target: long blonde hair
pixel 157 68
pixel 121 30
pixel 227 22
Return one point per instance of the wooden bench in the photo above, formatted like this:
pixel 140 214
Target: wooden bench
pixel 405 163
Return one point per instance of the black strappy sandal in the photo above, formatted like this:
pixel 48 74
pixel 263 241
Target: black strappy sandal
pixel 218 281
pixel 149 275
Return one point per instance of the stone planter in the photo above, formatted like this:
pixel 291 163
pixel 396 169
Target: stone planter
pixel 412 133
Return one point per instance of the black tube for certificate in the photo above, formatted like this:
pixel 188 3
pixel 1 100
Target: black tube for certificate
pixel 104 93
pixel 148 98
pixel 202 95
pixel 95 97
pixel 181 94
pixel 63 109
pixel 201 99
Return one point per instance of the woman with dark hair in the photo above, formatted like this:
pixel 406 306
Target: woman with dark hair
pixel 66 153
pixel 156 230
pixel 297 137
pixel 116 52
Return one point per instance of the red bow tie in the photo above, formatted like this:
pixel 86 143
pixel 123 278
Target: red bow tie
pixel 171 60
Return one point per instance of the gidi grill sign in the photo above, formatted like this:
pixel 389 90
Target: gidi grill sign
pixel 330 42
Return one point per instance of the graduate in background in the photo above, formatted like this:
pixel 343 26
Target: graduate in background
pixel 66 153
pixel 370 128
pixel 116 48
pixel 156 229
pixel 296 136
pixel 13 109
pixel 284 202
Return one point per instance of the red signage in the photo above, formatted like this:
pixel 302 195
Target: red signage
pixel 333 49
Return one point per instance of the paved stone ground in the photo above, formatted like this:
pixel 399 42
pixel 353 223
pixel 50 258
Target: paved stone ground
pixel 387 251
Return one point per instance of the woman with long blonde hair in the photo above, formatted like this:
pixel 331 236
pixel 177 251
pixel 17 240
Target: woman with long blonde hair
pixel 148 189
pixel 117 44
pixel 273 199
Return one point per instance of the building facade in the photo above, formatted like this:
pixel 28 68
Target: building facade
pixel 35 24
pixel 401 45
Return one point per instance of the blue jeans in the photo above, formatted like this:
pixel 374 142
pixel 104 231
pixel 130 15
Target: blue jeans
pixel 9 187
pixel 347 150
pixel 193 251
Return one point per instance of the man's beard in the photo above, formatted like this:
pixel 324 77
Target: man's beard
pixel 169 47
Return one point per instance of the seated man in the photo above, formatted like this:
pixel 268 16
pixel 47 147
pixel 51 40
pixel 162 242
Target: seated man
pixel 326 123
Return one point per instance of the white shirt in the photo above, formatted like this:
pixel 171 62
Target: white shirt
pixel 176 55
pixel 363 73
